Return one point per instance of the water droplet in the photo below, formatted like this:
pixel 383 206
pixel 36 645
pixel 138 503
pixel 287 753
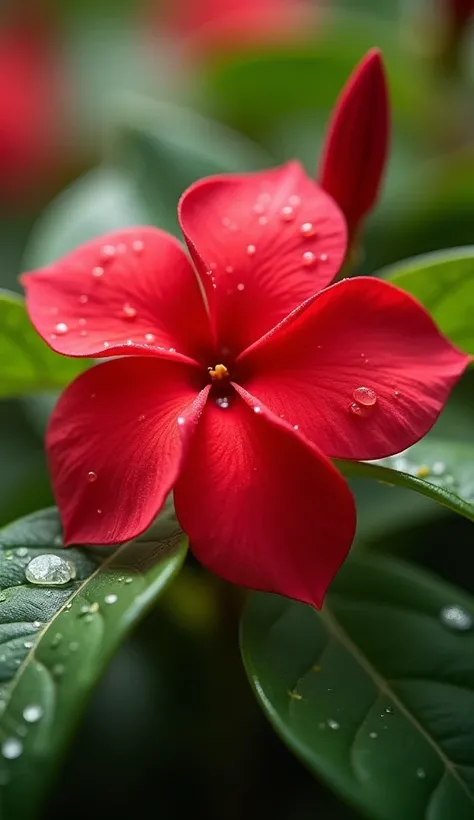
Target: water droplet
pixel 171 350
pixel 263 220
pixel 128 311
pixel 50 570
pixel 91 476
pixel 309 258
pixel 307 230
pixel 138 245
pixel 365 396
pixel 110 599
pixel 97 272
pixel 333 724
pixel 128 580
pixel 373 735
pixel 99 511
pixel 36 624
pixel 251 250
pixel 12 748
pixel 149 337
pixel 456 617
pixel 22 552
pixel 28 644
pixel 3 597
pixel 83 299
pixel 257 409
pixel 438 468
pixel 141 417
pixel 181 420
pixel 423 471
pixel 287 213
pixel 396 394
pixel 32 713
pixel 296 427
pixel 129 342
pixel 61 328
pixel 106 344
pixel 294 200
pixel 222 402
pixel 354 408
pixel 389 710
pixel 241 286
pixel 421 773
pixel 324 257
pixel 229 269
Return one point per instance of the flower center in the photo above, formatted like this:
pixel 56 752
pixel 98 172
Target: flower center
pixel 218 373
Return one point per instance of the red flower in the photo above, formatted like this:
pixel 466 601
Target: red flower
pixel 212 25
pixel 30 103
pixel 356 146
pixel 236 400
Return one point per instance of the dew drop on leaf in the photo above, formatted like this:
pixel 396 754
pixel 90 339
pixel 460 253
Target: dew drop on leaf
pixel 456 617
pixel 50 570
pixel 12 748
pixel 32 713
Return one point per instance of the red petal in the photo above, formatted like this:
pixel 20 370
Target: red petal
pixel 262 507
pixel 115 448
pixel 260 272
pixel 129 292
pixel 357 141
pixel 359 333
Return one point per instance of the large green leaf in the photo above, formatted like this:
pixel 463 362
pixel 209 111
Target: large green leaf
pixel 440 470
pixel 166 148
pixel 376 692
pixel 56 641
pixel 444 283
pixel 27 364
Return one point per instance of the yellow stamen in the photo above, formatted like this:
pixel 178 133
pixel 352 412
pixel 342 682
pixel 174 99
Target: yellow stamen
pixel 218 373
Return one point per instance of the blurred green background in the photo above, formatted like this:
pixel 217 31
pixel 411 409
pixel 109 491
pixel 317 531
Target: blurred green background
pixel 111 108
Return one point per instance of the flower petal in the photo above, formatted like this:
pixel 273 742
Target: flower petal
pixel 263 243
pixel 358 333
pixel 132 291
pixel 262 507
pixel 356 145
pixel 115 448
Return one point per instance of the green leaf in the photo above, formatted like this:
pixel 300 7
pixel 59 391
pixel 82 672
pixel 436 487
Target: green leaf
pixel 376 692
pixel 57 640
pixel 166 148
pixel 27 364
pixel 444 283
pixel 440 470
pixel 103 200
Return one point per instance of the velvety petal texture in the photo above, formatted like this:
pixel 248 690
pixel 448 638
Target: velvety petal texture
pixel 263 507
pixel 115 446
pixel 262 244
pixel 359 333
pixel 355 149
pixel 132 291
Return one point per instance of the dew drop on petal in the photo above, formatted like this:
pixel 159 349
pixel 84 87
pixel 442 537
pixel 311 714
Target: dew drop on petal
pixel 106 344
pixel 107 253
pixel 141 417
pixel 456 617
pixel 99 512
pixel 309 258
pixel 287 213
pixel 83 299
pixel 356 409
pixel 241 286
pixel 129 342
pixel 128 311
pixel 172 350
pixel 91 476
pixel 97 272
pixel 324 257
pixel 257 409
pixel 307 230
pixel 251 250
pixel 296 427
pixel 229 269
pixel 61 328
pixel 365 396
pixel 53 336
pixel 181 420
pixel 223 402
pixel 396 394
pixel 138 245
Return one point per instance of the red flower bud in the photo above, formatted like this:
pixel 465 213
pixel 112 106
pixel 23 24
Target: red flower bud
pixel 355 149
